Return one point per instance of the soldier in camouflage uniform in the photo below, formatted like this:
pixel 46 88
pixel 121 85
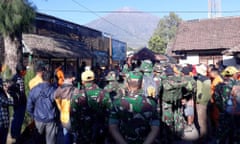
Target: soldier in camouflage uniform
pixel 115 89
pixel 171 108
pixel 149 85
pixel 134 118
pixel 228 128
pixel 127 67
pixel 89 112
pixel 158 71
pixel 189 94
pixel 146 67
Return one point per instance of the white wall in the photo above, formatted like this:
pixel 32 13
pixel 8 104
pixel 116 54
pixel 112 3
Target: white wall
pixel 194 59
pixel 190 59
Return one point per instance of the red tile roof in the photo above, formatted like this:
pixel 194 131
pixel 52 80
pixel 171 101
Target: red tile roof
pixel 209 34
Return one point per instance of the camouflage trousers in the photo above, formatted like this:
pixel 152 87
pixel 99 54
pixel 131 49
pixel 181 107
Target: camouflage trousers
pixel 173 123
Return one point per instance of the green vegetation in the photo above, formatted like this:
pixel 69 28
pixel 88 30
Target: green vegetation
pixel 16 17
pixel 164 33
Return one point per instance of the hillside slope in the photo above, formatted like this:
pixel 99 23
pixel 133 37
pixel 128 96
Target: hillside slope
pixel 135 28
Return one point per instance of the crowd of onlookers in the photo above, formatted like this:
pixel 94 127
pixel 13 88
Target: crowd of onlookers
pixel 144 102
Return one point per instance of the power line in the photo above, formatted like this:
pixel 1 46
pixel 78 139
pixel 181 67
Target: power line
pixel 124 30
pixel 119 12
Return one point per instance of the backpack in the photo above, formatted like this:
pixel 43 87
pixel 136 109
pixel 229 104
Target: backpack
pixel 235 99
pixel 96 112
pixel 221 95
pixel 150 88
pixel 172 89
pixel 227 97
pixel 45 100
pixel 203 90
pixel 190 90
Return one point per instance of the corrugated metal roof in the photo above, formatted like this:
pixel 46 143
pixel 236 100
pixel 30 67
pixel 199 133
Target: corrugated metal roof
pixel 46 46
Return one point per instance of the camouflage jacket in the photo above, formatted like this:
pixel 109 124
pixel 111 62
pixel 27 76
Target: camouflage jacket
pixel 126 68
pixel 172 87
pixel 191 88
pixel 115 89
pixel 222 93
pixel 135 115
pixel 89 113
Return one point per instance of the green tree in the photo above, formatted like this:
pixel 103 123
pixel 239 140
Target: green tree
pixel 16 16
pixel 156 44
pixel 164 32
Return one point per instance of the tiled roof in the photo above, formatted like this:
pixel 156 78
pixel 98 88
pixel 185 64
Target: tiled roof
pixel 209 34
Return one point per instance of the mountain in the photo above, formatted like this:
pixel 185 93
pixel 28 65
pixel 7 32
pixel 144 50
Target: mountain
pixel 128 25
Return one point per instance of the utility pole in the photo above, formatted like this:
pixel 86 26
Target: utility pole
pixel 214 8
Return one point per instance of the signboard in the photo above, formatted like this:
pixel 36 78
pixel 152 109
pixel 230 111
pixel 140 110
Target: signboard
pixel 101 57
pixel 119 50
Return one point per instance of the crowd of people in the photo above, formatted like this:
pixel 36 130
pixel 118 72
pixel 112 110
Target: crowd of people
pixel 144 102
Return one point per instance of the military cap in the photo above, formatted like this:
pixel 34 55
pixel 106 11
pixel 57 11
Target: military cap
pixel 134 75
pixel 111 76
pixel 146 66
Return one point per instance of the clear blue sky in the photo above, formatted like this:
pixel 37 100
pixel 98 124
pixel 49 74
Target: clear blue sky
pixel 64 8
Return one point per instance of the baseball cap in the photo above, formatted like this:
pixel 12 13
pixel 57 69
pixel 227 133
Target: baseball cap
pixel 87 76
pixel 229 71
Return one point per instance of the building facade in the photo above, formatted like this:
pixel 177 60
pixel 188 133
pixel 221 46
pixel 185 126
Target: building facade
pixel 206 41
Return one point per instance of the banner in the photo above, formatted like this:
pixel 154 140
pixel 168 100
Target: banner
pixel 119 50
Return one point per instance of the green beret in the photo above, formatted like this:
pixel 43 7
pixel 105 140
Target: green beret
pixel 134 75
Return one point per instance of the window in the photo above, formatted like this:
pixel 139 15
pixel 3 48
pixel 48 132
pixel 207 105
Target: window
pixel 210 59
